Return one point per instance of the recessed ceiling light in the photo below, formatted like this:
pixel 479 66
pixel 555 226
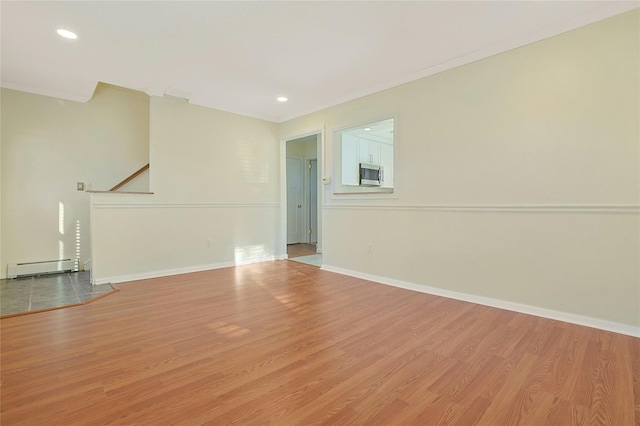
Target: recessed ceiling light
pixel 67 34
pixel 282 99
pixel 366 129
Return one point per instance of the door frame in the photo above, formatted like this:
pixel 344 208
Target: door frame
pixel 308 191
pixel 320 149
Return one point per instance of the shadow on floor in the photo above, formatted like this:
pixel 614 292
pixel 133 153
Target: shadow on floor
pixel 30 294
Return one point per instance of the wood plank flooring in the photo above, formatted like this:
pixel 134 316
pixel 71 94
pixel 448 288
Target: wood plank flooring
pixel 285 343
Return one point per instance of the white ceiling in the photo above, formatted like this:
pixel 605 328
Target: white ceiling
pixel 239 56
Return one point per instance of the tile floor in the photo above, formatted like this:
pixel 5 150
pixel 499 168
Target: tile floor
pixel 304 253
pixel 47 291
pixel 300 249
pixel 314 259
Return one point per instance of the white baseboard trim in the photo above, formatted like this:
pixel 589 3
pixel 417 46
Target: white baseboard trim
pixel 504 208
pixel 100 205
pixel 495 303
pixel 185 270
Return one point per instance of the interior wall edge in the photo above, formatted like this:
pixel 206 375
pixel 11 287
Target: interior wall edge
pixel 567 317
pixel 99 205
pixel 184 270
pixel 514 208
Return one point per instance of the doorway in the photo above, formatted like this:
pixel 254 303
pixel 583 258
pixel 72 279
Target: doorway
pixel 301 200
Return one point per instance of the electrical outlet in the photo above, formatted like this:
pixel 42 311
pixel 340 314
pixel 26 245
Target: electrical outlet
pixel 370 247
pixel 208 243
pixel 79 186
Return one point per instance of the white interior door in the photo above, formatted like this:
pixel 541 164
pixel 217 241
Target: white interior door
pixel 295 231
pixel 313 201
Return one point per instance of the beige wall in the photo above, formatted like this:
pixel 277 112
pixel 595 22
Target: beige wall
pixel 215 178
pixel 50 144
pixel 517 178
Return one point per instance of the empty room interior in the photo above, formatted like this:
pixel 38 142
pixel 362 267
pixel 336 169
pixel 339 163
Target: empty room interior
pixel 320 213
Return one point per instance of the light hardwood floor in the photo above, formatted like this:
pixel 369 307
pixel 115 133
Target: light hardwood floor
pixel 285 343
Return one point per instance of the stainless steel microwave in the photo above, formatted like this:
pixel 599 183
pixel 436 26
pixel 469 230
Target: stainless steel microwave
pixel 371 175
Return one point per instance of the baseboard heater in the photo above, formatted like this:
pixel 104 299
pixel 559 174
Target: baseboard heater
pixel 16 270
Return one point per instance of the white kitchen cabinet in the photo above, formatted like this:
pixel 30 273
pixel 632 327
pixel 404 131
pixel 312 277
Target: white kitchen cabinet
pixel 357 150
pixel 350 160
pixel 369 152
pixel 371 144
